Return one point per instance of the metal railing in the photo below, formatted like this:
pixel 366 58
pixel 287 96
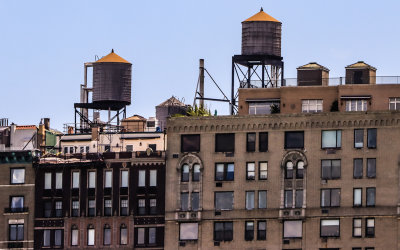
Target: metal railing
pixel 16 209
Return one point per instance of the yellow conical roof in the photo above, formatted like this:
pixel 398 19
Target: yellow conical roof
pixel 261 17
pixel 112 57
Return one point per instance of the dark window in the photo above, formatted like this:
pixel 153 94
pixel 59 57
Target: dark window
pixel 92 207
pixel 153 147
pixel 263 170
pixel 357 228
pixel 330 228
pixel 124 207
pixel 190 143
pixel 371 192
pixel 370 227
pixel 58 208
pixel 223 200
pixel 330 169
pixel 249 230
pixel 299 199
pixel 223 231
pixel 358 138
pixel 251 142
pixel 358 76
pixel 263 142
pixel 224 142
pixel 141 206
pixel 331 139
pixel 16 232
pixel 250 171
pixel 107 148
pixel 185 173
pixel 153 206
pixel 47 209
pixel 294 139
pixel 261 230
pixel 184 201
pixel 224 172
pixel 152 235
pixel 196 172
pixel 58 237
pixel 107 235
pixel 288 198
pixel 371 168
pixel 75 208
pixel 107 207
pixel 371 138
pixel 195 201
pixel 358 168
pixel 330 197
pixel 17 204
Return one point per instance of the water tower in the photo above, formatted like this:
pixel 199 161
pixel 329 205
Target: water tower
pixel 260 65
pixel 111 91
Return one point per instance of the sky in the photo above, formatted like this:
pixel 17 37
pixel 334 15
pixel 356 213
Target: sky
pixel 44 45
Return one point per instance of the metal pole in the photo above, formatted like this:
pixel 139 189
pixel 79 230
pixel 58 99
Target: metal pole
pixel 283 83
pixel 201 82
pixel 262 75
pixel 248 75
pixel 233 87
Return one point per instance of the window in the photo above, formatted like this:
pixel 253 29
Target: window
pixel 289 170
pixel 108 179
pixel 17 175
pixel 90 237
pixel 371 168
pixel 370 227
pixel 263 170
pixel 249 200
pixel 107 207
pixel 124 207
pixel 91 207
pixel 330 228
pixel 190 143
pixel 185 173
pixel 184 201
pixel 356 105
pixel 358 138
pixel 129 148
pixel 288 198
pixel 92 179
pixel 223 231
pixel 299 199
pixel 371 197
pixel 46 238
pixel 153 147
pixel 106 235
pixel 262 199
pixel 71 150
pixel 263 141
pixel 264 108
pixel 261 230
pixel 107 148
pixel 124 178
pixel 224 172
pixel 357 228
pixel 294 139
pixel 330 197
pixel 16 232
pixel 123 235
pixel 65 150
pixel 195 201
pixel 142 178
pixel 358 168
pixel 47 209
pixel 224 142
pixel 81 149
pixel 153 178
pixel 141 206
pixel 292 229
pixel 357 197
pixel 188 231
pixel 153 206
pixel 330 169
pixel 75 208
pixel 152 235
pixel 17 204
pixel 196 172
pixel 58 208
pixel 223 200
pixel 394 103
pixel 75 179
pixel 249 230
pixel 58 237
pixel 251 142
pixel 311 106
pixel 250 171
pixel 140 236
pixel 59 180
pixel 47 180
pixel 74 236
pixel 331 139
pixel 371 134
pixel 87 149
pixel 300 170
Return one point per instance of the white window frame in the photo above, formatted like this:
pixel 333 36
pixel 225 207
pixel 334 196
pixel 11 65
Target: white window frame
pixel 394 101
pixel 356 105
pixel 307 104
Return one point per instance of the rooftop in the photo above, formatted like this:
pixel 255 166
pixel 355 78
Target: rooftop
pixel 261 17
pixel 112 57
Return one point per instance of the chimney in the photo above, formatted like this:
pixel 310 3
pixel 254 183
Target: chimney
pixel 70 130
pixel 46 123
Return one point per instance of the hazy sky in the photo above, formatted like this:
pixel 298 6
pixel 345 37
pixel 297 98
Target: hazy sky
pixel 44 45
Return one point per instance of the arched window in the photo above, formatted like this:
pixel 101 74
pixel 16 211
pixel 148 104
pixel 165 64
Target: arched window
pixel 185 173
pixel 107 235
pixel 123 235
pixel 289 170
pixel 74 235
pixel 196 172
pixel 300 170
pixel 90 235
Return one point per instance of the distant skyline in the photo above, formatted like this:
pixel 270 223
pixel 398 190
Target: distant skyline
pixel 44 45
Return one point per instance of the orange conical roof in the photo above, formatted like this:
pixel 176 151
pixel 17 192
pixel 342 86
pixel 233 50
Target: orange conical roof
pixel 112 57
pixel 261 17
